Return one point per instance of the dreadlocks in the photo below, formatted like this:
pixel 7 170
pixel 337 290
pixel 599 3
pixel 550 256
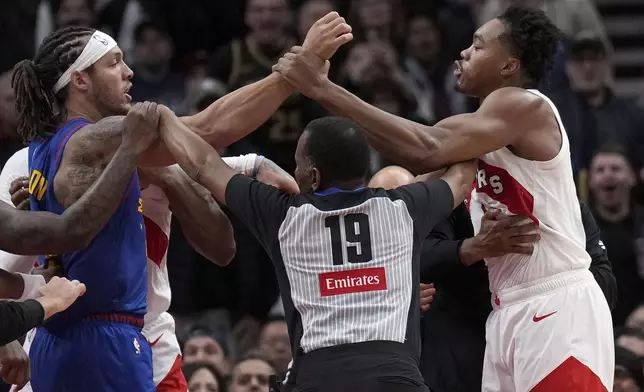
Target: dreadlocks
pixel 40 111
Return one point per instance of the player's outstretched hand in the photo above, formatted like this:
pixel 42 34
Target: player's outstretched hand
pixel 326 35
pixel 427 292
pixel 141 127
pixel 501 234
pixel 59 294
pixel 19 191
pixel 14 365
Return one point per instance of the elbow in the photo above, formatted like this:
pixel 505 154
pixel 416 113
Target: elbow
pixel 220 254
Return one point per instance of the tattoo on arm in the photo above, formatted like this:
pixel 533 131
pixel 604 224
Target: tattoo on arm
pixel 46 233
pixel 89 153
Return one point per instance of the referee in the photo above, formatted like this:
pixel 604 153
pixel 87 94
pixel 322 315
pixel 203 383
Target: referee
pixel 453 330
pixel 346 256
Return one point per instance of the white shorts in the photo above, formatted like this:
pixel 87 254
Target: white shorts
pixel 163 341
pixel 554 336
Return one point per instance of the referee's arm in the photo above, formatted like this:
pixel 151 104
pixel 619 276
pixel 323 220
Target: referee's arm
pixel 259 206
pixel 440 251
pixel 600 265
pixel 18 318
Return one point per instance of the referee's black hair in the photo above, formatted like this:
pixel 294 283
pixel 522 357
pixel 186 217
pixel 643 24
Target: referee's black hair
pixel 338 149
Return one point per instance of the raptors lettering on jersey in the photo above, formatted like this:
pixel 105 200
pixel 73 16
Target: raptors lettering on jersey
pixel 545 192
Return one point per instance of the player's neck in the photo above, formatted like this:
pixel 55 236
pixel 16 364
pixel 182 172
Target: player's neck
pixel 77 109
pixel 614 213
pixel 509 82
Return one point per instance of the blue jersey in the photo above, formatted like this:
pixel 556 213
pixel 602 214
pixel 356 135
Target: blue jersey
pixel 114 266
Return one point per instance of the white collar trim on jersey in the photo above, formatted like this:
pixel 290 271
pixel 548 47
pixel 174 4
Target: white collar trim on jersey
pixel 97 46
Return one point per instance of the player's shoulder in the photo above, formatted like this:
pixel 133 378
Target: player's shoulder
pixel 514 102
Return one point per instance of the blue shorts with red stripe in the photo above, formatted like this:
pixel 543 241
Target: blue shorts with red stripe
pixel 91 355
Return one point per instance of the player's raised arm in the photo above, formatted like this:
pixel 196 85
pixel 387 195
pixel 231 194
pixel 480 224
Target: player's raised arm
pixel 240 112
pixel 418 147
pixel 38 233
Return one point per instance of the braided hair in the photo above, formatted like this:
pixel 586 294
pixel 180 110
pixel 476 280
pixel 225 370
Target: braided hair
pixel 40 110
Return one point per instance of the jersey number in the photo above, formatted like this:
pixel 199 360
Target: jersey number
pixel 357 235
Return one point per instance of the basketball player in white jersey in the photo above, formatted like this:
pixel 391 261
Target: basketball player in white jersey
pixel 551 327
pixel 203 223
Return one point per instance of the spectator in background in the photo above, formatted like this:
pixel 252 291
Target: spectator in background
pixel 73 13
pixel 629 376
pixel 251 374
pixel 247 60
pixel 275 344
pixel 570 16
pixel 205 345
pixel 611 181
pixel 369 63
pixel 590 111
pixel 431 73
pixel 56 14
pixel 203 377
pixel 374 20
pixel 309 12
pixel 10 142
pixel 636 318
pixel 153 79
pixel 631 339
pixel 119 18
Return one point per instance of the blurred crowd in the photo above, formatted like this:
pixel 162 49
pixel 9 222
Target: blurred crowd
pixel 186 54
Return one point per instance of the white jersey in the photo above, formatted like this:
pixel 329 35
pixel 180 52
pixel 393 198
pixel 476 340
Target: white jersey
pixel 545 192
pixel 17 166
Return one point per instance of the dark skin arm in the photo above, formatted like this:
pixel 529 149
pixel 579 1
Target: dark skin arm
pixel 227 120
pixel 421 148
pixel 40 233
pixel 11 285
pixel 204 224
pixel 199 160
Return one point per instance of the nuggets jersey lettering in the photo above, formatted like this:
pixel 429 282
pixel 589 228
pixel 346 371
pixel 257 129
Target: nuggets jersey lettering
pixel 114 265
pixel 545 192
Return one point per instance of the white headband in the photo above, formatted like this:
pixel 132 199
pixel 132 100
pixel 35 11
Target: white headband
pixel 97 46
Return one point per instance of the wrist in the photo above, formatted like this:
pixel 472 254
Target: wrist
pixel 470 251
pixel 50 305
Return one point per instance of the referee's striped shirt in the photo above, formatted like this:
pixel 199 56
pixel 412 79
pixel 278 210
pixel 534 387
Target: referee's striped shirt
pixel 347 262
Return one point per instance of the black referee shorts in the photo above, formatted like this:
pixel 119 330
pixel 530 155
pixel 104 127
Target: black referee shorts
pixel 377 366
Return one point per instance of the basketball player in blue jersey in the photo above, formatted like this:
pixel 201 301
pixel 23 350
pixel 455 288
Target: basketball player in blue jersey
pixel 65 98
pixel 35 233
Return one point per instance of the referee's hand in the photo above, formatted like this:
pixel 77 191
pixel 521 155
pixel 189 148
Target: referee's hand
pixel 427 292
